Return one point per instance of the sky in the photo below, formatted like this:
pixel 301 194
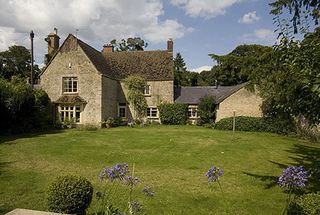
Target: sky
pixel 197 27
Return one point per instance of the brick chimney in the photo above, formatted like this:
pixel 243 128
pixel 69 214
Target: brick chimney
pixel 170 45
pixel 107 48
pixel 53 41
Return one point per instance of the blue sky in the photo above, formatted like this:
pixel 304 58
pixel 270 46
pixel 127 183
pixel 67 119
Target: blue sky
pixel 198 27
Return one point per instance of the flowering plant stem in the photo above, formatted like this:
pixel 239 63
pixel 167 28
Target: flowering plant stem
pixel 288 200
pixel 130 193
pixel 224 198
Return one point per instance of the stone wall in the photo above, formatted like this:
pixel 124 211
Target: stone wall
pixel 72 62
pixel 109 97
pixel 160 92
pixel 243 102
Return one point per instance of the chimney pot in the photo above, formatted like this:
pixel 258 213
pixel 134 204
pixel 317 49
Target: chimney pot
pixel 170 45
pixel 107 48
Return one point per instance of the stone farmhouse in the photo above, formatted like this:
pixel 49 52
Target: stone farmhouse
pixel 87 85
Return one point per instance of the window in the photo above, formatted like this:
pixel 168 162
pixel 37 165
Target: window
pixel 192 112
pixel 152 112
pixel 69 112
pixel 122 110
pixel 146 90
pixel 70 84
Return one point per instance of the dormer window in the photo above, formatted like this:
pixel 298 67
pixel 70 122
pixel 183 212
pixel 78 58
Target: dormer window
pixel 147 90
pixel 70 84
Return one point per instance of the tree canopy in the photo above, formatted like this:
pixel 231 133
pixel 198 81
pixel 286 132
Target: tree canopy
pixel 300 10
pixel 130 44
pixel 15 62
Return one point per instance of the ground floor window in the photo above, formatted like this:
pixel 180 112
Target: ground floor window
pixel 192 112
pixel 122 110
pixel 69 112
pixel 152 112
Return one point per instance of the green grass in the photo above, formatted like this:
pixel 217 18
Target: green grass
pixel 171 159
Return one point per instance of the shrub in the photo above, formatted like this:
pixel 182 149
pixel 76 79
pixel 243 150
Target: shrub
pixel 256 124
pixel 207 110
pixel 69 194
pixel 173 114
pixel 308 204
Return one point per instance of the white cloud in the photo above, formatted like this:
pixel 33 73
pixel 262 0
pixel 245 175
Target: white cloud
pixel 249 18
pixel 204 8
pixel 262 35
pixel 98 21
pixel 200 69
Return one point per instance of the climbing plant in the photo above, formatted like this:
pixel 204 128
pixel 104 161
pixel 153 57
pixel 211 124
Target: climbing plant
pixel 135 85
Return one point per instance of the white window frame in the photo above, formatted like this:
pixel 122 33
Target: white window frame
pixel 151 110
pixel 193 112
pixel 67 111
pixel 122 106
pixel 147 90
pixel 70 85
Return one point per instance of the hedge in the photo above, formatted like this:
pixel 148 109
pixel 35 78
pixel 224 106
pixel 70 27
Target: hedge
pixel 173 114
pixel 308 204
pixel 256 124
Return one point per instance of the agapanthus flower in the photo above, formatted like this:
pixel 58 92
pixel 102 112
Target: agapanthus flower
pixel 136 206
pixel 148 191
pixel 214 173
pixel 119 171
pixel 293 178
pixel 130 181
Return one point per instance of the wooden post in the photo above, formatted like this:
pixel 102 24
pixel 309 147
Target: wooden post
pixel 234 123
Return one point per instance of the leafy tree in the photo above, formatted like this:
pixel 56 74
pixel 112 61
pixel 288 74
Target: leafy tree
pixel 289 81
pixel 237 66
pixel 300 10
pixel 131 44
pixel 15 62
pixel 207 109
pixel 135 85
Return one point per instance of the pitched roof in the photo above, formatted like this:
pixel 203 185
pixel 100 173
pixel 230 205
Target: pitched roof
pixel 97 59
pixel 192 95
pixel 152 65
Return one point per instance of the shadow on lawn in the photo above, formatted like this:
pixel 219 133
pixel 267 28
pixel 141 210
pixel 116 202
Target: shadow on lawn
pixel 307 156
pixel 8 138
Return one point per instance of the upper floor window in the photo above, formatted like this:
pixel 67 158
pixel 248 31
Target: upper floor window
pixel 147 90
pixel 70 84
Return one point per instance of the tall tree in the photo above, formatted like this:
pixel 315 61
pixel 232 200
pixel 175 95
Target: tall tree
pixel 179 70
pixel 15 62
pixel 130 44
pixel 238 65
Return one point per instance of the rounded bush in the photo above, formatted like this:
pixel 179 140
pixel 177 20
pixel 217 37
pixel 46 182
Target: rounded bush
pixel 69 194
pixel 308 204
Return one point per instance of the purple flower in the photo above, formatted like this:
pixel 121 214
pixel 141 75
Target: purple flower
pixel 148 191
pixel 136 206
pixel 293 178
pixel 214 173
pixel 130 181
pixel 119 171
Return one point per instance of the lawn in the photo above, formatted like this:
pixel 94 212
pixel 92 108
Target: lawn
pixel 171 159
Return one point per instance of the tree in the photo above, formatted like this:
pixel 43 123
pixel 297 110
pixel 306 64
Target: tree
pixel 289 79
pixel 179 70
pixel 207 109
pixel 15 62
pixel 131 44
pixel 300 10
pixel 135 85
pixel 237 66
